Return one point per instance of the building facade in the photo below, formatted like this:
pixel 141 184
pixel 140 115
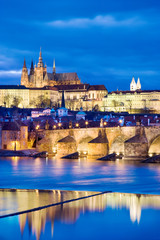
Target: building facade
pixel 14 136
pixel 133 101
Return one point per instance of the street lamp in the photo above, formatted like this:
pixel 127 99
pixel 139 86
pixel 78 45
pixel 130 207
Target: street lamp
pixel 86 123
pixel 37 127
pixel 54 127
pixel 105 123
pixel 59 125
pixel 77 125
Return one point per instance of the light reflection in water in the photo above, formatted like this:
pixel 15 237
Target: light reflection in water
pixel 70 212
pixel 17 200
pixel 83 174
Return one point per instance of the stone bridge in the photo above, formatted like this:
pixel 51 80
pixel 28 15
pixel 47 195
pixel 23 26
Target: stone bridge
pixel 135 140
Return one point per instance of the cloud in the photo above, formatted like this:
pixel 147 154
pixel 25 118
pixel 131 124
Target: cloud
pixel 130 72
pixel 100 20
pixel 10 73
pixel 5 61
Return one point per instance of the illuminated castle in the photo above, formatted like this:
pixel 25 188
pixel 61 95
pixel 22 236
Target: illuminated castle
pixel 39 77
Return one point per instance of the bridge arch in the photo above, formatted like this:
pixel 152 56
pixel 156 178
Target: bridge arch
pixel 118 144
pixel 83 144
pixel 154 147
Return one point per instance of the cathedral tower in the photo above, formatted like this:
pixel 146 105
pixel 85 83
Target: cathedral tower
pixel 138 84
pixel 133 85
pixel 24 76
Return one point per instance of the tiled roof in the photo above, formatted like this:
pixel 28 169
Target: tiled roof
pixel 45 88
pixel 12 87
pixel 132 92
pixel 63 76
pixel 12 126
pixel 97 87
pixel 66 76
pixel 73 87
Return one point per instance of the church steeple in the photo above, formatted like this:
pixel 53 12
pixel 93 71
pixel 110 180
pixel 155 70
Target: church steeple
pixel 133 85
pixel 40 63
pixel 138 84
pixel 32 68
pixel 54 66
pixel 24 64
pixel 24 76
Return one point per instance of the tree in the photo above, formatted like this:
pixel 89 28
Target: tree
pixel 43 102
pixel 7 99
pixel 16 101
pixel 95 108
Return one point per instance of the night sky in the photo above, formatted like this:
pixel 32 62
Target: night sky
pixel 105 42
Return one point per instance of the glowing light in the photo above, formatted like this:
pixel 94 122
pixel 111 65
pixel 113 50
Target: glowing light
pixel 77 124
pixel 37 127
pixel 117 154
pixel 54 126
pixel 59 124
pixel 84 153
pixel 54 150
pixel 105 123
pixel 86 122
pixel 150 154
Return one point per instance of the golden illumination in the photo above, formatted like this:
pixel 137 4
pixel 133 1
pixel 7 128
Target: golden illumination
pixel 59 124
pixel 54 126
pixel 105 123
pixel 77 124
pixel 37 127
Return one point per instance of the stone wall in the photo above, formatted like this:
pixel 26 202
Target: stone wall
pixel 135 150
pixel 116 137
pixel 97 150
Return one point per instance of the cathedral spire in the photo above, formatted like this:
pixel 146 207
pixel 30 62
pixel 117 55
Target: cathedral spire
pixel 40 63
pixel 32 68
pixel 24 64
pixel 138 84
pixel 54 66
pixel 133 85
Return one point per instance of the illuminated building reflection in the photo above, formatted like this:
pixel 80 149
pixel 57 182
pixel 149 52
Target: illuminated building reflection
pixel 69 213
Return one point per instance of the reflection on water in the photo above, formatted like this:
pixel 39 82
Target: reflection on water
pixel 17 200
pixel 82 174
pixel 69 213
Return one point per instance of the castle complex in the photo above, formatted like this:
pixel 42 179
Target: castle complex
pixel 40 88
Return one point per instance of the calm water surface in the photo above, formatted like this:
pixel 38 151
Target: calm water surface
pixel 89 175
pixel 107 216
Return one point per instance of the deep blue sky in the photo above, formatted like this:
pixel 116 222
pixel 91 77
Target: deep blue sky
pixel 105 42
